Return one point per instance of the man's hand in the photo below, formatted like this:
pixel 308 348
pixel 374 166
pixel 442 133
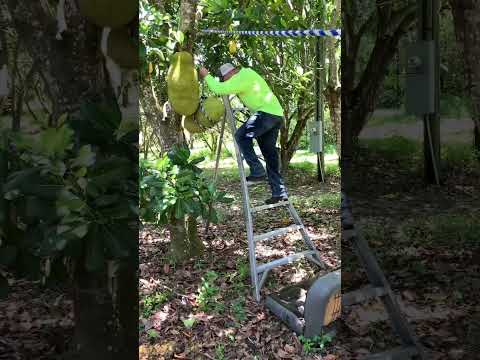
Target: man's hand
pixel 203 72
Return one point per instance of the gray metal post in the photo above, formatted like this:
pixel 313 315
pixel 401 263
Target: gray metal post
pixel 319 71
pixel 428 29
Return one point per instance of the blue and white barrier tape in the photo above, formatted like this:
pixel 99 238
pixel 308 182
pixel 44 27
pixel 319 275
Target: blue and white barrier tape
pixel 313 32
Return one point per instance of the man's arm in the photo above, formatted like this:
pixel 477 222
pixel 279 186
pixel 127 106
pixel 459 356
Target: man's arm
pixel 234 85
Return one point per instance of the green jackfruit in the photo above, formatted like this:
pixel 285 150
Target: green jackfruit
pixel 109 13
pixel 190 124
pixel 214 108
pixel 182 84
pixel 212 112
pixel 122 48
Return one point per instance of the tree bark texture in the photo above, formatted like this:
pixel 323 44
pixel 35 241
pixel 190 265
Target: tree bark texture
pixel 466 14
pixel 333 88
pixel 184 241
pixel 360 85
pixel 72 71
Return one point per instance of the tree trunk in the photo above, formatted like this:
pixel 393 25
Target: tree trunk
pixel 333 89
pixel 289 144
pixel 99 333
pixel 466 14
pixel 333 96
pixel 184 240
pixel 359 92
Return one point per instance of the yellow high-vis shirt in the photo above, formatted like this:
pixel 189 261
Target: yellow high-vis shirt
pixel 252 90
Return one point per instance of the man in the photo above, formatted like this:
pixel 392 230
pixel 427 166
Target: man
pixel 263 125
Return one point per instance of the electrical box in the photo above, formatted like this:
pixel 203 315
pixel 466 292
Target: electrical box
pixel 420 78
pixel 316 137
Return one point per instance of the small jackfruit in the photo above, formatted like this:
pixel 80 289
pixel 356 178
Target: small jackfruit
pixel 182 84
pixel 122 48
pixel 109 13
pixel 213 111
pixel 232 47
pixel 190 124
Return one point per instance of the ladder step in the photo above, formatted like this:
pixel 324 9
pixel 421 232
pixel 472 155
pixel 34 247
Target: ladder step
pixel 271 206
pixel 398 353
pixel 361 295
pixel 283 261
pixel 277 232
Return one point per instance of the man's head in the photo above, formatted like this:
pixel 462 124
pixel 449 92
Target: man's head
pixel 227 71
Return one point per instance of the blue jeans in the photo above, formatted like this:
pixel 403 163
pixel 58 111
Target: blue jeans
pixel 263 127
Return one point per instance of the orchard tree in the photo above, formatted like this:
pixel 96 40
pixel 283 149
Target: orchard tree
pixel 378 28
pixel 161 37
pixel 71 189
pixel 466 14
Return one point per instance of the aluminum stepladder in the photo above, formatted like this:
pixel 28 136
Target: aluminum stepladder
pixel 259 272
pixel 379 288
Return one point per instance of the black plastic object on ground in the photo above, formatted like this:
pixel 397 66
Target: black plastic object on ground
pixel 310 307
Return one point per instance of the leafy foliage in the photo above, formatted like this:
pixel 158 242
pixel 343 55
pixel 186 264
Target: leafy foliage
pixel 208 292
pixel 72 203
pixel 152 302
pixel 173 187
pixel 314 344
pixel 287 64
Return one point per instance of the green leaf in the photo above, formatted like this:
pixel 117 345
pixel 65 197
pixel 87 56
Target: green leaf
pixel 189 323
pixel 80 173
pixel 62 119
pixel 17 179
pixel 197 160
pixel 152 333
pixel 54 142
pixel 126 126
pixel 106 200
pixel 61 229
pixel 179 155
pixel 179 36
pixel 85 157
pixel 118 211
pixel 82 183
pixel 80 231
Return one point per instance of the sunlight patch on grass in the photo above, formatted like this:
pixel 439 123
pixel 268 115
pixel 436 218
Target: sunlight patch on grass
pixel 394 147
pixel 460 155
pixel 446 229
pixel 402 149
pixel 318 200
pixel 302 160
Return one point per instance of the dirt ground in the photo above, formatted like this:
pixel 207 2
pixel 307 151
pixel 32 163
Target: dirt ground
pixel 425 239
pixel 236 327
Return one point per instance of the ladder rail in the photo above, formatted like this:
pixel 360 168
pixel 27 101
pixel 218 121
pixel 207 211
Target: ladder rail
pixel 259 272
pixel 246 201
pixel 306 237
pixel 378 280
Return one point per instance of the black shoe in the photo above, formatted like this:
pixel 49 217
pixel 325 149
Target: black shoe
pixel 255 179
pixel 275 199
